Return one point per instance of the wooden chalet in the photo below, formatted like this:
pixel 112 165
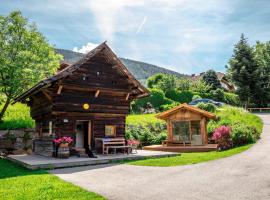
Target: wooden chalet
pixel 186 130
pixel 86 100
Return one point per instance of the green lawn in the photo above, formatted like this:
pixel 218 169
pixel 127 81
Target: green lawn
pixel 190 158
pixel 143 119
pixel 19 183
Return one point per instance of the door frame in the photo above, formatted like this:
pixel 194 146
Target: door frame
pixel 89 131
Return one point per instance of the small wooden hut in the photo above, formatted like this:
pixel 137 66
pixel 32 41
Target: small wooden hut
pixel 86 100
pixel 186 125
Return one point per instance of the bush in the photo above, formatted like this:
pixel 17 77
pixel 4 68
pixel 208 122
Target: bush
pixel 231 99
pixel 246 127
pixel 196 96
pixel 148 134
pixel 207 106
pixel 244 134
pixel 167 106
pixel 217 95
pixel 181 97
pixel 156 99
pixel 222 136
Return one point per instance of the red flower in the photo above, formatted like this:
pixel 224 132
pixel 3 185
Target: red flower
pixel 64 139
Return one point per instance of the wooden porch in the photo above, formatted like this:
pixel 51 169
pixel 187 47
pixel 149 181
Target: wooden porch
pixel 182 149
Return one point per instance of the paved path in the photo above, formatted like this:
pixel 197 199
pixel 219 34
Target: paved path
pixel 243 176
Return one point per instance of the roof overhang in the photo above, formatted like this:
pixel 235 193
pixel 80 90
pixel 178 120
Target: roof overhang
pixel 73 67
pixel 166 114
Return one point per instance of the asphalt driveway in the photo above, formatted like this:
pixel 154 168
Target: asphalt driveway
pixel 243 176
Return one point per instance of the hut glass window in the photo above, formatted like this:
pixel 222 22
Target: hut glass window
pixel 195 127
pixel 181 131
pixel 110 130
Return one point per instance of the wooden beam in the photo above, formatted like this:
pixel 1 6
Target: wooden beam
pixel 59 89
pixel 97 93
pixel 47 95
pixel 127 96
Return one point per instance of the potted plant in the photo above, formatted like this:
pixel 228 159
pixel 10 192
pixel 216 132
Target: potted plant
pixel 63 149
pixel 134 145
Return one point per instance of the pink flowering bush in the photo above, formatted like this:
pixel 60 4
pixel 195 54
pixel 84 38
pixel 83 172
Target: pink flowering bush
pixel 63 140
pixel 222 136
pixel 133 142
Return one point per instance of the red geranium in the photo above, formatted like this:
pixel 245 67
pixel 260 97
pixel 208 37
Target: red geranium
pixel 63 140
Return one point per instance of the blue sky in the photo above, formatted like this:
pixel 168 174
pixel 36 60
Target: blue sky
pixel 182 35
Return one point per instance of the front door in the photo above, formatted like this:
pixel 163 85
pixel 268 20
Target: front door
pixel 83 134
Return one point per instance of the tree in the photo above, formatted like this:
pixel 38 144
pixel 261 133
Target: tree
pixel 210 78
pixel 25 57
pixel 262 57
pixel 164 82
pixel 200 87
pixel 244 70
pixel 184 84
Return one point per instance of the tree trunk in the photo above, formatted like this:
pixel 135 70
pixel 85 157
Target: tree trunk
pixel 4 109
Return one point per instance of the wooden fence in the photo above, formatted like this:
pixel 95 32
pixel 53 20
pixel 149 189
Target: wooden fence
pixel 258 109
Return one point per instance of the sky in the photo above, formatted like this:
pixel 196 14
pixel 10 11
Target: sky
pixel 187 36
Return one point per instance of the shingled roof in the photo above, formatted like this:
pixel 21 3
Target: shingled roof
pixel 166 114
pixel 73 66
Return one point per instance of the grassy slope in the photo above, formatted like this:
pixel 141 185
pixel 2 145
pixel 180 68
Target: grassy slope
pixel 232 115
pixel 19 183
pixel 142 119
pixel 190 158
pixel 17 116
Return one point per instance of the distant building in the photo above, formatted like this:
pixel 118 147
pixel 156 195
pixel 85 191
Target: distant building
pixel 221 77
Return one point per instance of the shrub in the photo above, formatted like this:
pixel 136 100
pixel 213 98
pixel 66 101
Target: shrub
pixel 167 106
pixel 217 94
pixel 222 136
pixel 232 99
pixel 152 133
pixel 181 97
pixel 245 127
pixel 207 106
pixel 196 96
pixel 244 134
pixel 156 99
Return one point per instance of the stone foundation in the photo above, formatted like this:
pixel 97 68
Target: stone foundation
pixel 16 141
pixel 43 146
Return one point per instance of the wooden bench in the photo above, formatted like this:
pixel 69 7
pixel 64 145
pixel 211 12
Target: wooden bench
pixel 126 149
pixel 106 142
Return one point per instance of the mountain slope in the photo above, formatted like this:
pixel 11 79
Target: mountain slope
pixel 140 70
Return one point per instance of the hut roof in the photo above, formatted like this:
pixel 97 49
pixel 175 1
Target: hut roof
pixel 166 114
pixel 70 68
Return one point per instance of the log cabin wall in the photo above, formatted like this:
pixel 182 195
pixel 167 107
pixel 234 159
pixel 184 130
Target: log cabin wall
pixel 98 80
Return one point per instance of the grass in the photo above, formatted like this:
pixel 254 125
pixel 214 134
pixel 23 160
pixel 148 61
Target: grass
pixel 17 116
pixel 230 115
pixel 143 119
pixel 189 158
pixel 19 183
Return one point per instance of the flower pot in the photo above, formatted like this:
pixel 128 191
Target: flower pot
pixel 63 145
pixel 63 152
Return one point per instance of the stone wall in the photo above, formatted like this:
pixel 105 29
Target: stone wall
pixel 16 141
pixel 43 146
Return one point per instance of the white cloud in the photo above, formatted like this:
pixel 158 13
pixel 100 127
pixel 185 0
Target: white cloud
pixel 86 48
pixel 109 13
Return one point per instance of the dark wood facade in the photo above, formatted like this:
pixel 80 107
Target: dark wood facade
pixel 97 89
